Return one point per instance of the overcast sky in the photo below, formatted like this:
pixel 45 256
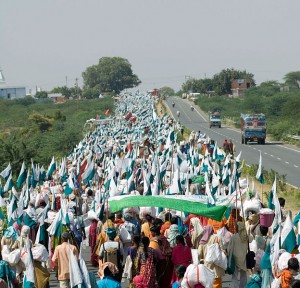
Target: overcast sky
pixel 166 41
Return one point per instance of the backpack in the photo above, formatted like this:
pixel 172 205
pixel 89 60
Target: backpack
pixel 111 255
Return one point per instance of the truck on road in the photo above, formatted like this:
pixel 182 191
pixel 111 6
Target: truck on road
pixel 215 118
pixel 253 128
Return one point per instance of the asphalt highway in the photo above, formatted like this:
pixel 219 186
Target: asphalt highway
pixel 282 158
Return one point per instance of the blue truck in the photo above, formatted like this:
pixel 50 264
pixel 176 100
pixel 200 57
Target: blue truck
pixel 215 118
pixel 253 128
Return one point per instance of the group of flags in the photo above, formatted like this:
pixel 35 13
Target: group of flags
pixel 123 154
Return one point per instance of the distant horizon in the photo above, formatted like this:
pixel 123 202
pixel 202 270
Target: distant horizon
pixel 43 42
pixel 5 85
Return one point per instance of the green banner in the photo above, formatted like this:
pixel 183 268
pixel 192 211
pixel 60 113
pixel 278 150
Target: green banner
pixel 194 207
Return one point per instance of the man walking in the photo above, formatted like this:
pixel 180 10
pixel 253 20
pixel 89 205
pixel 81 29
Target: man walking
pixel 61 260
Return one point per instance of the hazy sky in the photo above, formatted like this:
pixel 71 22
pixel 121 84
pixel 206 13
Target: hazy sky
pixel 43 41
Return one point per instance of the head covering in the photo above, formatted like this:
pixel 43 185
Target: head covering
pixel 173 232
pixel 25 231
pixel 208 231
pixel 254 218
pixel 127 217
pixel 198 231
pixel 112 267
pixel 182 230
pixel 242 231
pixel 72 196
pixel 10 232
pixel 111 233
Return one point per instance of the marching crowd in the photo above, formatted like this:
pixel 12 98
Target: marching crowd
pixel 45 225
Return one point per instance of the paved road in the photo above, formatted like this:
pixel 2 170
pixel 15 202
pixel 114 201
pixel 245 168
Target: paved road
pixel 283 158
pixel 86 255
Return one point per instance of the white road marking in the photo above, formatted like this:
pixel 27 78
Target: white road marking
pixel 196 111
pixel 272 155
pixel 265 153
pixel 295 150
pixel 287 162
pixel 278 158
pixel 185 113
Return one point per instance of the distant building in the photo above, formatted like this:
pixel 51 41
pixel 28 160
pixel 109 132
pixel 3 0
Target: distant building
pixel 154 92
pixel 12 92
pixel 239 85
pixel 57 97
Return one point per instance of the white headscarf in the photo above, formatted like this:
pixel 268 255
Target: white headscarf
pixel 198 231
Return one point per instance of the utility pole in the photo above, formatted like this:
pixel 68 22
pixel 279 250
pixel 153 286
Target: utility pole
pixel 76 87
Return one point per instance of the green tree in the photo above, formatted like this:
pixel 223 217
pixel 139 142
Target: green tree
pixel 64 90
pixel 111 74
pixel 292 79
pixel 265 89
pixel 44 123
pixel 222 80
pixel 41 94
pixel 197 85
pixel 166 91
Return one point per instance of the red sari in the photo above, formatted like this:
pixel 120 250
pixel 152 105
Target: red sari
pixel 92 242
pixel 181 255
pixel 147 274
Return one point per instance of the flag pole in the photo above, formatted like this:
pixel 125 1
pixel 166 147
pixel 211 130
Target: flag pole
pixel 262 194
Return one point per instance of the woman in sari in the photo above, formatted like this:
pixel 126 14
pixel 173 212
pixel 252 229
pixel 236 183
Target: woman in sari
pixel 234 217
pixel 196 231
pixel 181 255
pixel 93 241
pixel 102 236
pixel 207 239
pixel 146 226
pixel 146 259
pixel 132 251
pixel 172 232
pixel 164 266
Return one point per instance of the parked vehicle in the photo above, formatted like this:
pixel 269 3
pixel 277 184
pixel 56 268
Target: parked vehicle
pixel 253 128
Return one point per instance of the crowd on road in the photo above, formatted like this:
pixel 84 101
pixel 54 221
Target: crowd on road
pixel 206 221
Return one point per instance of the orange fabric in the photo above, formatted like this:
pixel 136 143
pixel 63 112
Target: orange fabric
pixel 216 224
pixel 61 259
pixel 146 229
pixel 154 243
pixel 165 226
pixel 203 220
pixel 118 222
pixel 217 283
pixel 286 277
pixel 231 222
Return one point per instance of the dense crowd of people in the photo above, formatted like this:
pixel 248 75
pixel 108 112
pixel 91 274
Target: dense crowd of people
pixel 46 224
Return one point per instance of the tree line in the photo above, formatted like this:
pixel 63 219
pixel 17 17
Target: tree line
pixel 109 76
pixel 31 131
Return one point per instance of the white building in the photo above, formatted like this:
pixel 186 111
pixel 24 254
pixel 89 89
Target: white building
pixel 12 92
